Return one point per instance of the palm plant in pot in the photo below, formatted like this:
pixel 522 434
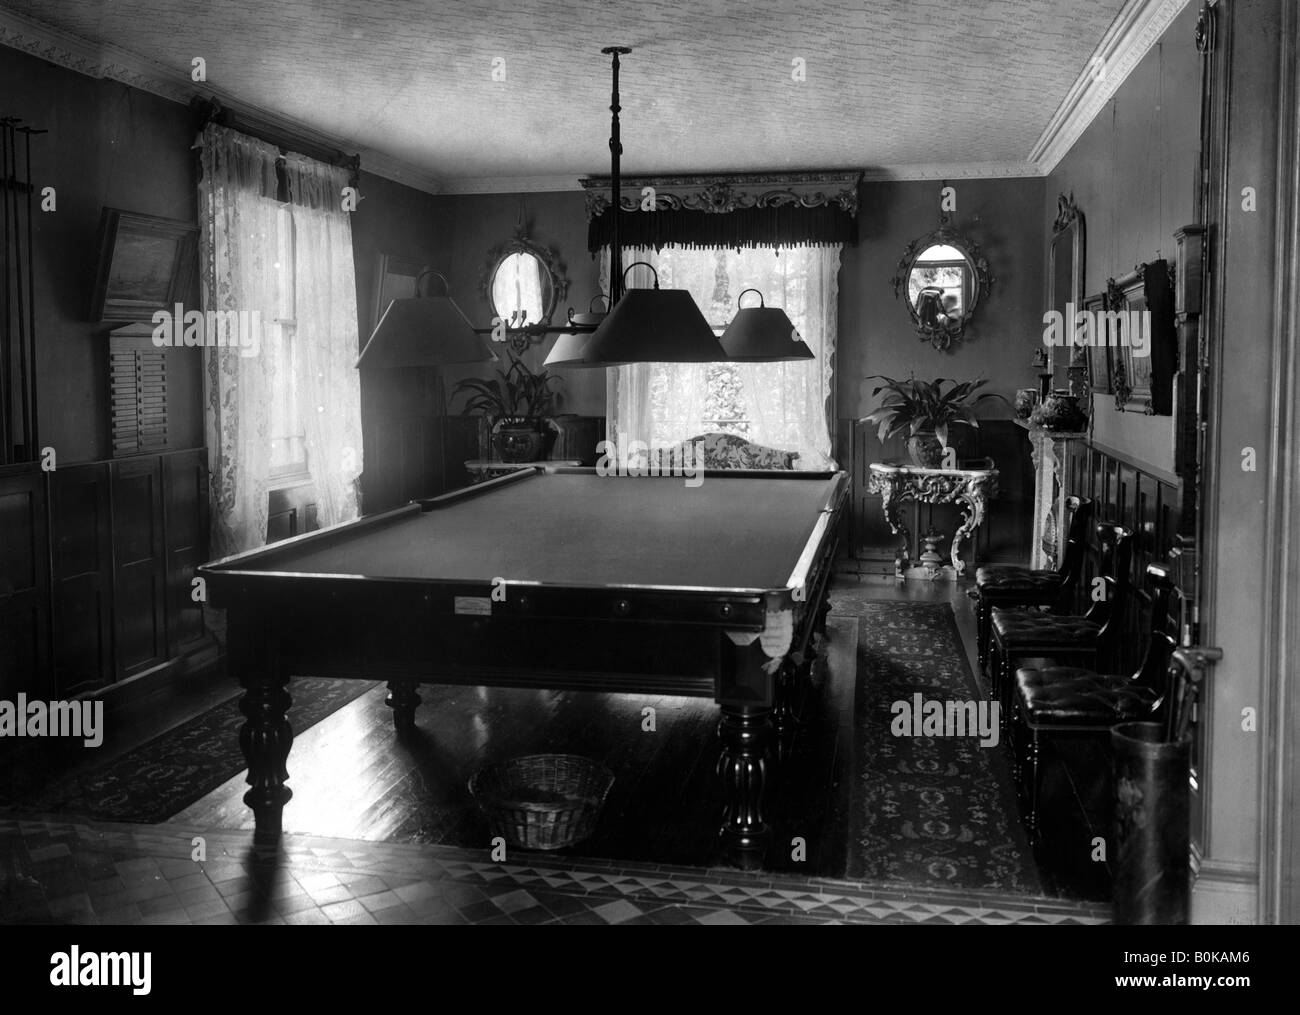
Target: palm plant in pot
pixel 925 411
pixel 518 403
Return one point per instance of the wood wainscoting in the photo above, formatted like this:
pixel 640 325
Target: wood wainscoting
pixel 95 571
pixel 1002 539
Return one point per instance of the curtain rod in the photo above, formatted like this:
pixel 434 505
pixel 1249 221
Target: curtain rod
pixel 211 111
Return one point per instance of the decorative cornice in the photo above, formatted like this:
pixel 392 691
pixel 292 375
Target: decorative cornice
pixel 104 60
pixel 718 193
pixel 1135 30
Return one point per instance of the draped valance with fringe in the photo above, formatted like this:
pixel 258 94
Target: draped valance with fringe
pixel 735 211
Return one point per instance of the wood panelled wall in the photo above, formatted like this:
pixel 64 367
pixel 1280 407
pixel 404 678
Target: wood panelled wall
pixel 95 570
pixel 1140 499
pixel 1002 538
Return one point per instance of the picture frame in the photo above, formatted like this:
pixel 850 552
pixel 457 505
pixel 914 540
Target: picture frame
pixel 1145 383
pixel 146 264
pixel 1098 354
pixel 395 278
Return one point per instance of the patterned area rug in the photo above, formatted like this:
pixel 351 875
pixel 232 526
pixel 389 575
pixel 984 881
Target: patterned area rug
pixel 927 811
pixel 168 773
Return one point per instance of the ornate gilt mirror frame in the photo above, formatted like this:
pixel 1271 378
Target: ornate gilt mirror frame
pixel 942 335
pixel 549 260
pixel 1065 286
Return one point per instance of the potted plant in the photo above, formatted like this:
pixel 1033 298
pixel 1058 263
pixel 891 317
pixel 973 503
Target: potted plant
pixel 925 411
pixel 518 403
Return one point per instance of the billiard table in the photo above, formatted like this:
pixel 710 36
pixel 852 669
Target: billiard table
pixel 557 578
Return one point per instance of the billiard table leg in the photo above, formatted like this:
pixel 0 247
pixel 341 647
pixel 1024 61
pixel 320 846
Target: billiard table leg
pixel 265 739
pixel 746 733
pixel 403 699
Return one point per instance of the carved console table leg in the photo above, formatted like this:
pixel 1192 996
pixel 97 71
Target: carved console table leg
pixel 894 515
pixel 972 514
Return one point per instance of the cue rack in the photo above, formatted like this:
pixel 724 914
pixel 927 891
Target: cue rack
pixel 18 438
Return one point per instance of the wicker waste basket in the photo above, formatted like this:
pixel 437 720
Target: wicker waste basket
pixel 542 801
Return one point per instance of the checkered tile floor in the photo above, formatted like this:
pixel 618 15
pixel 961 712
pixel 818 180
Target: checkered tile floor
pixel 54 871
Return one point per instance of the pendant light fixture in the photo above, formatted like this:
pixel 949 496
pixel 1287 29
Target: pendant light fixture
pixel 418 331
pixel 644 325
pixel 762 334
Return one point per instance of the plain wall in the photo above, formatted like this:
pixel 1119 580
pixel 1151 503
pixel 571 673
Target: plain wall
pixel 113 146
pixel 1133 174
pixel 476 224
pixel 110 145
pixel 876 333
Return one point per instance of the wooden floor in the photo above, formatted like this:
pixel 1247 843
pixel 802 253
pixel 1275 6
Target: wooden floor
pixel 352 779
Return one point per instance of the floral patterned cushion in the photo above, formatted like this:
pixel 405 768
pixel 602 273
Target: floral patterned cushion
pixel 727 451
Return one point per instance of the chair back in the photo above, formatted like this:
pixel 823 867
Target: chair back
pixel 1076 542
pixel 1153 673
pixel 1108 610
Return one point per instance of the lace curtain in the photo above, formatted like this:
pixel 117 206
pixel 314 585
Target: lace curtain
pixel 246 238
pixel 779 405
pixel 325 303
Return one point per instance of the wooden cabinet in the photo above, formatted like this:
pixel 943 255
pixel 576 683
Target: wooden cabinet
pixel 185 522
pixel 81 550
pixel 139 566
pixel 24 584
pixel 96 561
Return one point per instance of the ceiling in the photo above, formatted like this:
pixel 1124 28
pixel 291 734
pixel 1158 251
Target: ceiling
pixel 904 87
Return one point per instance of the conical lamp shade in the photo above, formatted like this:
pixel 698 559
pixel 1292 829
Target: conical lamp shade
pixel 763 335
pixel 653 326
pixel 420 331
pixel 567 350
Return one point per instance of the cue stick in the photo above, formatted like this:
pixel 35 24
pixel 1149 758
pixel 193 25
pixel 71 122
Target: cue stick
pixel 30 421
pixel 18 289
pixel 5 394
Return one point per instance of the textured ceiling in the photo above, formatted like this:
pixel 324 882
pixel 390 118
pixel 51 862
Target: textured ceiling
pixel 897 84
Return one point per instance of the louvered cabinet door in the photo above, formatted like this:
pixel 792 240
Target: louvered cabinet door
pixel 137 395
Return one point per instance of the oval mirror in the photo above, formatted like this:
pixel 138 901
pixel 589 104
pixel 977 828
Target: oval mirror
pixel 522 290
pixel 943 276
pixel 523 283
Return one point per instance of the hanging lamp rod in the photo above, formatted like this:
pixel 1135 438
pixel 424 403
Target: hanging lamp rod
pixel 615 151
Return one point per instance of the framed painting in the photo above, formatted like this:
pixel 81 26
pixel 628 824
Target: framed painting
pixel 1141 309
pixel 1098 354
pixel 146 264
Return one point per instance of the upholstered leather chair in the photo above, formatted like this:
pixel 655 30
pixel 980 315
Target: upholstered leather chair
pixel 1086 640
pixel 1009 585
pixel 1059 700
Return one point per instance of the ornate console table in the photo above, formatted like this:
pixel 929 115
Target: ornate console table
pixel 970 488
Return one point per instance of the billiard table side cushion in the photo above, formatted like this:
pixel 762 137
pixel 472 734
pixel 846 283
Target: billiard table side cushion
pixel 581 528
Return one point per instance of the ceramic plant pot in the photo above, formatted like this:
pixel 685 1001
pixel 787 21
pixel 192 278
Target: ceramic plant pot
pixel 1060 411
pixel 925 450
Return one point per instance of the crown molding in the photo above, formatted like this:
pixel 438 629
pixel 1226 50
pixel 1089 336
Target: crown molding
pixel 929 171
pixel 103 60
pixel 951 171
pixel 1133 33
pixel 511 184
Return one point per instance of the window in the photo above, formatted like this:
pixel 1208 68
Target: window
pixel 778 405
pixel 288 462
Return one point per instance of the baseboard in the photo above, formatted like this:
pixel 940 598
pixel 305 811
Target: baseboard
pixel 198 660
pixel 1226 893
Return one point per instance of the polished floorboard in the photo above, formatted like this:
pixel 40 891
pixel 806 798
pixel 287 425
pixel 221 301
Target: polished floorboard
pixel 352 779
